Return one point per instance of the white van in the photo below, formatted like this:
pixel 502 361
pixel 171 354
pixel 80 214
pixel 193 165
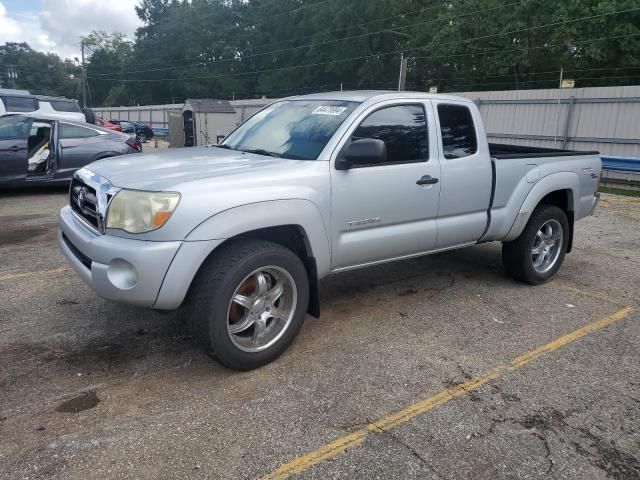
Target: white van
pixel 21 101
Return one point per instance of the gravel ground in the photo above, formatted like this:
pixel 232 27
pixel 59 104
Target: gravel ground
pixel 92 389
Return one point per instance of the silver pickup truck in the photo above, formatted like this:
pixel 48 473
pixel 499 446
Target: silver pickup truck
pixel 239 234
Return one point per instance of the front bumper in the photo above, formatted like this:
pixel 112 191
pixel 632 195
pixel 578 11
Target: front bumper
pixel 120 269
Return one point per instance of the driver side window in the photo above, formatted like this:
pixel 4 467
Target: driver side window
pixel 403 129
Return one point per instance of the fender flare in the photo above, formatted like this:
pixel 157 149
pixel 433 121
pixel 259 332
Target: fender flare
pixel 546 185
pixel 212 232
pixel 272 213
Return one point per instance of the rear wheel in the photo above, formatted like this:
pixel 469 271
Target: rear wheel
pixel 142 137
pixel 248 303
pixel 537 254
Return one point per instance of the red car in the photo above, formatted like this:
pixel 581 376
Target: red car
pixel 105 124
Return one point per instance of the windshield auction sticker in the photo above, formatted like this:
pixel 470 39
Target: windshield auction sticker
pixel 329 110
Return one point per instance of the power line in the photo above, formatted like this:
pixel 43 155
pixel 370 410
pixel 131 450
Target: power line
pixel 160 25
pixel 378 54
pixel 336 40
pixel 524 49
pixel 420 10
pixel 549 72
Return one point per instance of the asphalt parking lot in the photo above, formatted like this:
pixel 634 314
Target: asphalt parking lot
pixel 439 367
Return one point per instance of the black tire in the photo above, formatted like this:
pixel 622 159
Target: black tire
pixel 142 138
pixel 517 256
pixel 208 301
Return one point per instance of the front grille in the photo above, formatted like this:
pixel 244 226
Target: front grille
pixel 84 202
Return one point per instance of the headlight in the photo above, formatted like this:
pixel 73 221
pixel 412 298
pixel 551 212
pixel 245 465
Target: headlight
pixel 135 211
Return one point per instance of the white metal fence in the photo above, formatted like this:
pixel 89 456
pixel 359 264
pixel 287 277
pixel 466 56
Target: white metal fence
pixel 606 119
pixel 157 116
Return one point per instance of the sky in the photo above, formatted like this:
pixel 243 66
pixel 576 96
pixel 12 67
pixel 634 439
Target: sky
pixel 57 25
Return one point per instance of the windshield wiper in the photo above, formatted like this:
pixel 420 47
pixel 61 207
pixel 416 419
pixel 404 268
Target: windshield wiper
pixel 260 151
pixel 224 146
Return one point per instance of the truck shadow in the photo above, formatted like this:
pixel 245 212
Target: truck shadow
pixel 124 340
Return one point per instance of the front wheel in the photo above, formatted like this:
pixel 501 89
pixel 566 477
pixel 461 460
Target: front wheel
pixel 248 302
pixel 537 254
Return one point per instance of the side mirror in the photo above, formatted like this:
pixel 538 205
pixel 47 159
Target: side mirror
pixel 366 151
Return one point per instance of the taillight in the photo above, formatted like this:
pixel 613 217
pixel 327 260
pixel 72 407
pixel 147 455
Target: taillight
pixel 134 144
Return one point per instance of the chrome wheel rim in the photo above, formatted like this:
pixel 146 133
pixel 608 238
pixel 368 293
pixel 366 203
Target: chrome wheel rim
pixel 261 308
pixel 547 246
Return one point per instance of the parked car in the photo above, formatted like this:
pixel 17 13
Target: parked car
pixel 108 125
pixel 140 130
pixel 38 148
pixel 21 101
pixel 240 233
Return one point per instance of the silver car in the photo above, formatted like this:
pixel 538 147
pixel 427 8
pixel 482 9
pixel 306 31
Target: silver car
pixel 39 148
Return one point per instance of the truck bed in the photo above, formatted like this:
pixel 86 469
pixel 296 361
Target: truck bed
pixel 503 151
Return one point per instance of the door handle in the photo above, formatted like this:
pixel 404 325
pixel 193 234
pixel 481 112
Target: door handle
pixel 15 148
pixel 427 180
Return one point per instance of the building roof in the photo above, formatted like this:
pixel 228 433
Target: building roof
pixel 208 105
pixel 13 91
pixel 49 98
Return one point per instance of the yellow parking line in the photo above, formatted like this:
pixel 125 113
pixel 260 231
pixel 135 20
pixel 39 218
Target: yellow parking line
pixel 15 276
pixel 356 438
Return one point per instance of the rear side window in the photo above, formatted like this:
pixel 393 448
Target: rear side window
pixel 403 128
pixel 74 131
pixel 65 106
pixel 457 130
pixel 20 104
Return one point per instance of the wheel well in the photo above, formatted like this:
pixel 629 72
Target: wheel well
pixel 563 199
pixel 560 198
pixel 289 236
pixel 295 239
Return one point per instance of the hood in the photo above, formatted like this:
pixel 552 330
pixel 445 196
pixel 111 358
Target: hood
pixel 166 169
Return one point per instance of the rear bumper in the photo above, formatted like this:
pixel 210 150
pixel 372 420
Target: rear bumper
pixel 120 269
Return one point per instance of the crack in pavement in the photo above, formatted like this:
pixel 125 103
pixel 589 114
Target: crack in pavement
pixel 412 450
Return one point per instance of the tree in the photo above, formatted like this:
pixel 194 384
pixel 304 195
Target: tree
pixel 40 73
pixel 250 48
pixel 108 55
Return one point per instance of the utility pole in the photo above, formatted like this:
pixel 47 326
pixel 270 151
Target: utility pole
pixel 402 78
pixel 84 77
pixel 12 74
pixel 561 75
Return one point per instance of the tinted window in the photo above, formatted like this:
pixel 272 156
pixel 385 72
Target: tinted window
pixel 457 130
pixel 74 131
pixel 20 104
pixel 402 128
pixel 65 106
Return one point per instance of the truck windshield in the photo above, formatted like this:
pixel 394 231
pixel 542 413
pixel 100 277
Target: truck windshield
pixel 296 129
